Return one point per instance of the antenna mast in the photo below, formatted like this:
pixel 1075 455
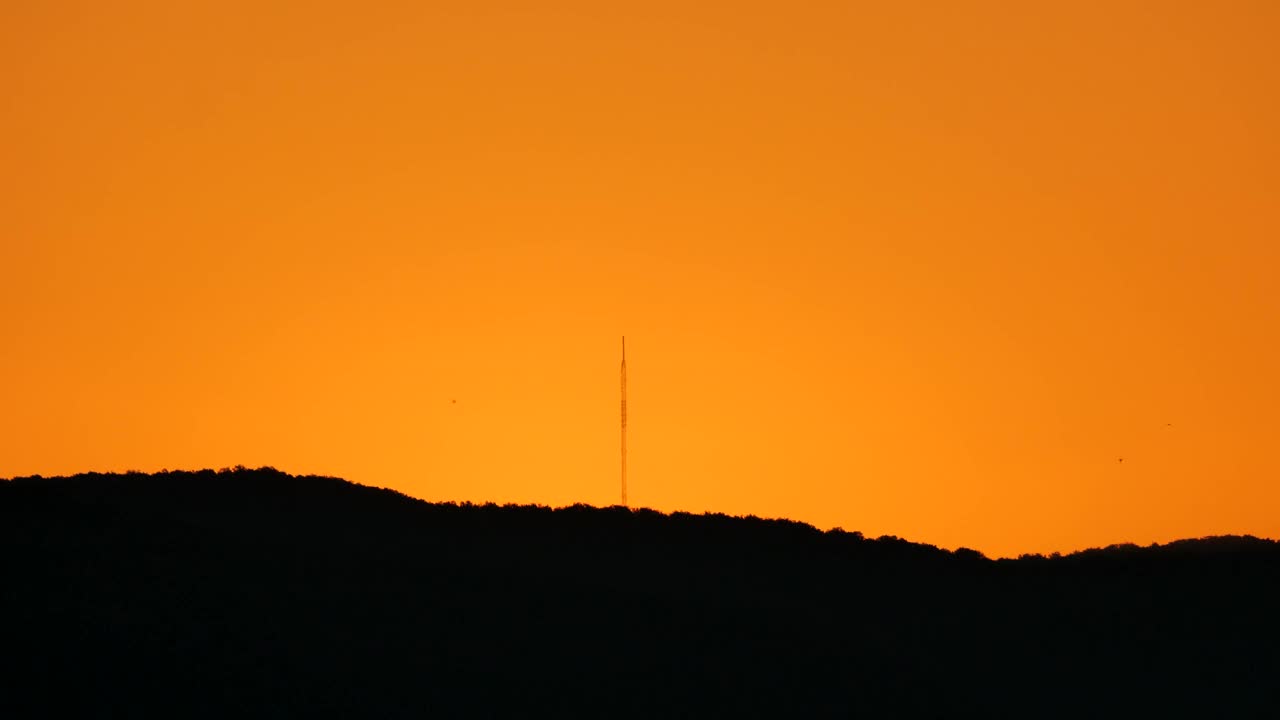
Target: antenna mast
pixel 624 420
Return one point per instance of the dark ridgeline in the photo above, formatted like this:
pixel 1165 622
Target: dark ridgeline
pixel 252 592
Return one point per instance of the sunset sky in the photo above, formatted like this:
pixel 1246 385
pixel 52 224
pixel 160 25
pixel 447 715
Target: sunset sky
pixel 928 269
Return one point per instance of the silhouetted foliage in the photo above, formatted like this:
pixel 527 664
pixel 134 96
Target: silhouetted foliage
pixel 254 592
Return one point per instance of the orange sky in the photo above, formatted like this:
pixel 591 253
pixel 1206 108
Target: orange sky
pixel 920 268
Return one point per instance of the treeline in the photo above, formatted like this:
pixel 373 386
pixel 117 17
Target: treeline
pixel 257 592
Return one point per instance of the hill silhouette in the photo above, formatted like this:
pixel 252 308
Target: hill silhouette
pixel 253 592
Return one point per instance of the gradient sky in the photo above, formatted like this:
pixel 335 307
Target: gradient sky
pixel 920 268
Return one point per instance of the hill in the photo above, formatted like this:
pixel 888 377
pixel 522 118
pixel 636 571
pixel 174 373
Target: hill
pixel 253 592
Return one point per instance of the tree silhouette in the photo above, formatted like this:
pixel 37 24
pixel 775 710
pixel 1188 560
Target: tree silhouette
pixel 254 592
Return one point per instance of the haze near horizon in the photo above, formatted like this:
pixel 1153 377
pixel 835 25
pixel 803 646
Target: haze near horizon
pixel 996 276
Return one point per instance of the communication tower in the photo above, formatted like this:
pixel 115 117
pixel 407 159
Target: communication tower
pixel 624 420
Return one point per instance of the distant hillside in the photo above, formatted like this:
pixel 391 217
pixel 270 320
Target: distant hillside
pixel 253 592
